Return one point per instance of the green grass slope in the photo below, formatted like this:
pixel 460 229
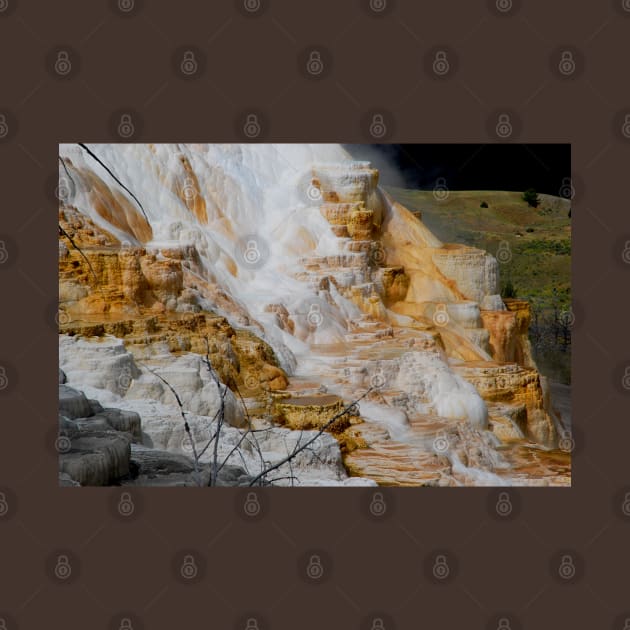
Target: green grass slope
pixel 532 245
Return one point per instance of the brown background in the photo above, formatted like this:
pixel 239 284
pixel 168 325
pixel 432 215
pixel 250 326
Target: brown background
pixel 128 64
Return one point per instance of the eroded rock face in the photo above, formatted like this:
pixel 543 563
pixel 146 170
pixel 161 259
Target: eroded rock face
pixel 73 403
pixel 508 332
pixel 514 384
pixel 152 297
pixel 153 467
pixel 475 272
pixel 348 183
pixel 94 442
pixel 109 372
pixel 312 412
pixel 97 458
pixel 139 438
pixel 352 292
pixel 118 446
pixel 395 283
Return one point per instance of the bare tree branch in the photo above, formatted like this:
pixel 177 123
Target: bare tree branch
pixel 186 425
pixel 349 409
pixel 222 393
pixel 93 155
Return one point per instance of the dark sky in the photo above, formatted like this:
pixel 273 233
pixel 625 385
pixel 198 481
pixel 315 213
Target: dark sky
pixel 470 166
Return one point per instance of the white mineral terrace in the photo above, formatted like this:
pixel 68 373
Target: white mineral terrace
pixel 303 234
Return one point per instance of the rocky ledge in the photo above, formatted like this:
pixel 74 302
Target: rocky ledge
pixel 143 441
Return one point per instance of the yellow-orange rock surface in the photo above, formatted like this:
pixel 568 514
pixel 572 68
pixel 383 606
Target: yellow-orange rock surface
pixel 149 297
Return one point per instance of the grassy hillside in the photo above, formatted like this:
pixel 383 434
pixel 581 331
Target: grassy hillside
pixel 533 246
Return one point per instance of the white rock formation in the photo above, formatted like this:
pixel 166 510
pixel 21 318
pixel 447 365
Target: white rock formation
pixel 298 244
pixel 104 369
pixel 144 408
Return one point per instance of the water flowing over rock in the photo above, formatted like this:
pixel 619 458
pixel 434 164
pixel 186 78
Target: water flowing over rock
pixel 275 285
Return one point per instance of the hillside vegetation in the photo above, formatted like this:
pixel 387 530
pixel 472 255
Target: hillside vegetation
pixel 532 245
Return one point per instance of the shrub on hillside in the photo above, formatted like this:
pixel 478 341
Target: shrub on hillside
pixel 509 290
pixel 531 197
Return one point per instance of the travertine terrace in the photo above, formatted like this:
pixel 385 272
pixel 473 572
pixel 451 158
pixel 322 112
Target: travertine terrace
pixel 306 285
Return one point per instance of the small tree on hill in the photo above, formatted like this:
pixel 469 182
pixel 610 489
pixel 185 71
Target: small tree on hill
pixel 509 290
pixel 531 197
